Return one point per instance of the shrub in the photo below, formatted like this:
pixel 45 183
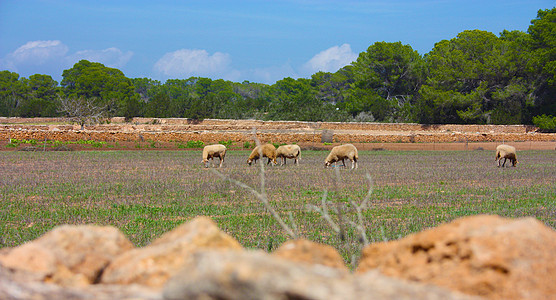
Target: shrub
pixel 195 144
pixel 545 123
pixel 226 143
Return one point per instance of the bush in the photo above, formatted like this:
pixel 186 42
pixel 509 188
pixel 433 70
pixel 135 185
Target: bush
pixel 195 144
pixel 226 143
pixel 545 123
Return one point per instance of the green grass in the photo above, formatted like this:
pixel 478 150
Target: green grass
pixel 147 193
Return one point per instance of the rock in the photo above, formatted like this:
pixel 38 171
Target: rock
pixel 258 275
pixel 487 256
pixel 68 255
pixel 305 251
pixel 155 263
pixel 19 285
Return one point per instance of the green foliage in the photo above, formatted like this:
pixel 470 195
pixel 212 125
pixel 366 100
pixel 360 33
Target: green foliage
pixel 391 69
pixel 545 123
pixel 226 143
pixel 247 145
pixel 110 86
pixel 12 91
pixel 194 144
pixel 14 143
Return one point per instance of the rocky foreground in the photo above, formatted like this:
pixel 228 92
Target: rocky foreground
pixel 470 258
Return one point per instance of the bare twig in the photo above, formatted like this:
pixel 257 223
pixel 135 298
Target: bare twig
pixel 82 110
pixel 324 212
pixel 262 196
pixel 338 227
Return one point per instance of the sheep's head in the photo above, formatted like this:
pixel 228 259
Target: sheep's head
pixel 249 161
pixel 326 164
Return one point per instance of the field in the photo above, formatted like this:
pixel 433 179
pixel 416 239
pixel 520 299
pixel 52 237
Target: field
pixel 147 193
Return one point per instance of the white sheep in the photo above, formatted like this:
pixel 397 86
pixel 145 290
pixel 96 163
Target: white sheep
pixel 340 153
pixel 212 151
pixel 506 152
pixel 288 151
pixel 267 150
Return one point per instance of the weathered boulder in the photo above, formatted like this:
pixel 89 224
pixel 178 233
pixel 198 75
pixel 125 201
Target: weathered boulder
pixel 21 285
pixel 305 251
pixel 68 255
pixel 258 275
pixel 154 264
pixel 481 255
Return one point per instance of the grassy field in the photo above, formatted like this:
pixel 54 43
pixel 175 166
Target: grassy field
pixel 147 193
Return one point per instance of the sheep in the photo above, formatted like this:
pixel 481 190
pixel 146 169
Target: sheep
pixel 267 150
pixel 340 153
pixel 288 151
pixel 212 151
pixel 506 152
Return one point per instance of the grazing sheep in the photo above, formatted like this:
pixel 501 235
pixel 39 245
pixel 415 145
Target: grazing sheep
pixel 288 151
pixel 506 152
pixel 212 151
pixel 340 153
pixel 268 151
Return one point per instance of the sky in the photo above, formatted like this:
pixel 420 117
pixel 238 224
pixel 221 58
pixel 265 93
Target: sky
pixel 257 40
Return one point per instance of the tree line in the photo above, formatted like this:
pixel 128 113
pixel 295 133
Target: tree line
pixel 474 78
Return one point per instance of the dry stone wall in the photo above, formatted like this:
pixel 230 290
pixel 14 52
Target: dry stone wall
pixel 212 131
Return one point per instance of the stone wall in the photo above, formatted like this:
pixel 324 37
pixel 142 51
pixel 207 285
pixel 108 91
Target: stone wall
pixel 212 131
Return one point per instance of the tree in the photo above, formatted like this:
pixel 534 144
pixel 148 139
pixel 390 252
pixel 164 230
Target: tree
pixel 389 76
pixel 146 88
pixel 471 79
pixel 41 98
pixel 333 87
pixel 108 86
pixel 12 92
pixel 391 69
pixel 83 110
pixel 158 106
pixel 543 63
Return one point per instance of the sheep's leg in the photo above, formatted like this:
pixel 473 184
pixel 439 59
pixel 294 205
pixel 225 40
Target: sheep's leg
pixel 221 161
pixel 354 164
pixel 504 163
pixel 344 163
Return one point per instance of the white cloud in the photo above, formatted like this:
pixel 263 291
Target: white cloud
pixel 193 62
pixel 35 53
pixel 111 57
pixel 330 60
pixel 51 58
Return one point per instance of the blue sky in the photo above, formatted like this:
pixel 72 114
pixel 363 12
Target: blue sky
pixel 260 41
